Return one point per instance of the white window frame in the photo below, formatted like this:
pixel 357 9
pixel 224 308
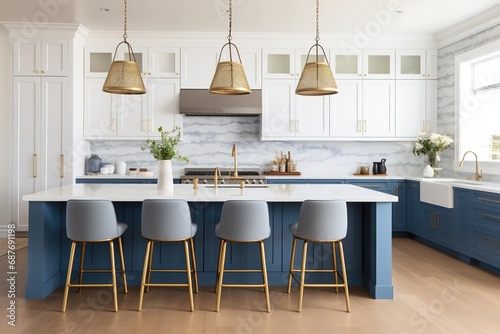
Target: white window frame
pixel 462 67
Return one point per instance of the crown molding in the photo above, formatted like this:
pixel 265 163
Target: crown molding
pixel 31 30
pixel 480 22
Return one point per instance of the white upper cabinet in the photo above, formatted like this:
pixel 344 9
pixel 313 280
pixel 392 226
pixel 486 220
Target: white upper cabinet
pixel 378 64
pixel 198 67
pixel 416 64
pixel 99 110
pixel 364 108
pixel 431 64
pixel 40 56
pixel 410 108
pixel 346 64
pixel 286 63
pixel 158 62
pixel 346 116
pixel 287 115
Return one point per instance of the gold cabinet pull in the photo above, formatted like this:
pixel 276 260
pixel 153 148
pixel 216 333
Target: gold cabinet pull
pixel 61 168
pixel 488 200
pixel 144 126
pixel 113 125
pixel 150 125
pixel 396 191
pixel 365 126
pixel 422 126
pixel 358 129
pixel 491 217
pixel 35 165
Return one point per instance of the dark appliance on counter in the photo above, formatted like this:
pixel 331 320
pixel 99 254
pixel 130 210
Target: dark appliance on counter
pixel 206 176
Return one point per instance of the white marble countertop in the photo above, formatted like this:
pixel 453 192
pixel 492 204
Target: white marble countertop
pixel 206 193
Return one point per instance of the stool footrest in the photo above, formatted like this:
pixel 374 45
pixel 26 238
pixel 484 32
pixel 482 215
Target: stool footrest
pixel 243 285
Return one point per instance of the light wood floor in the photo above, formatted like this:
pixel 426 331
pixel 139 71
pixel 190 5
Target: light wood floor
pixel 434 294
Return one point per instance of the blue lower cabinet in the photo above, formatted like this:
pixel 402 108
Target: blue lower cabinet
pixel 463 228
pixel 413 208
pixel 438 224
pixel 393 188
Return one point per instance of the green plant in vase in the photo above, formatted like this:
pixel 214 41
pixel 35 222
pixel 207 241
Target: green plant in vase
pixel 431 146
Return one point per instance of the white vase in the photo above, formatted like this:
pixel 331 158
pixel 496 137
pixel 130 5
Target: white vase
pixel 165 176
pixel 428 171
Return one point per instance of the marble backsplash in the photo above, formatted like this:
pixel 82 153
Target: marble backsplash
pixel 207 142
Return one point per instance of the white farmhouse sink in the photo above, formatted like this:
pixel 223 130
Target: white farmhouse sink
pixel 437 192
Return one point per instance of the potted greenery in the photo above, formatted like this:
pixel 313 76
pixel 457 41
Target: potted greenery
pixel 164 151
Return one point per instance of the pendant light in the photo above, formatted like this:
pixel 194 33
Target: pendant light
pixel 316 78
pixel 124 76
pixel 229 77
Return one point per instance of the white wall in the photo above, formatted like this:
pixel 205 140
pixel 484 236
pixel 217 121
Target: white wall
pixel 5 130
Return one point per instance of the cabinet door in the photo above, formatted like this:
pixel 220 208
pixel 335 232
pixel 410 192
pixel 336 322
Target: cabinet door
pixel 346 109
pixel 98 61
pixel 378 64
pixel 141 58
pixel 47 56
pixel 27 57
pixel 428 222
pixel 279 64
pixel 399 208
pixel 27 151
pixel 163 105
pixel 278 101
pixel 99 111
pixel 413 207
pixel 312 116
pixel 54 108
pixel 132 115
pixel 346 65
pixel 54 56
pixel 198 67
pixel 410 64
pixel 445 226
pixel 431 64
pixel 378 108
pixel 164 62
pixel 410 108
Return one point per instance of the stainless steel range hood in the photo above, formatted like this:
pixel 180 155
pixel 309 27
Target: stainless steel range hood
pixel 199 102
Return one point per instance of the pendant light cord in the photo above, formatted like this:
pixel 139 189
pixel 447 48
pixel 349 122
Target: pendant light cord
pixel 317 29
pixel 229 37
pixel 125 22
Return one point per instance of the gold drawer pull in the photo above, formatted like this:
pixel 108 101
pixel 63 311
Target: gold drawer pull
pixel 488 200
pixel 491 241
pixel 370 185
pixel 491 217
pixel 61 168
pixel 35 165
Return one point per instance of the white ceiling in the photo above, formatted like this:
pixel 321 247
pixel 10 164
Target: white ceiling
pixel 419 17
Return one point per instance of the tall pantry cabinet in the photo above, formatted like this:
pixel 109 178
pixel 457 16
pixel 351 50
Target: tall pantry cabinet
pixel 46 111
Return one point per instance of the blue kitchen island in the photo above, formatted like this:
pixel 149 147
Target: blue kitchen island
pixel 367 245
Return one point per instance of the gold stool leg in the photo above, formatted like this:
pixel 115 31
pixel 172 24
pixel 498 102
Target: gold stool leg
pixel 302 275
pixel 344 276
pixel 221 274
pixel 122 260
pixel 188 272
pixel 264 275
pixel 195 271
pixel 68 276
pixel 113 274
pixel 335 272
pixel 150 264
pixel 217 275
pixel 82 259
pixel 292 259
pixel 144 274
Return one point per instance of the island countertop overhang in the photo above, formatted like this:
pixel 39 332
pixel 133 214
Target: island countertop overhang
pixel 205 193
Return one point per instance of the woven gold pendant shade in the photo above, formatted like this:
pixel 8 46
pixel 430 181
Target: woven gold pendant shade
pixel 229 77
pixel 124 76
pixel 316 78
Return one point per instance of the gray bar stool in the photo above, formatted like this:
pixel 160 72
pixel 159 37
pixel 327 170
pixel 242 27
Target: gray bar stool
pixel 320 221
pixel 242 221
pixel 168 220
pixel 93 221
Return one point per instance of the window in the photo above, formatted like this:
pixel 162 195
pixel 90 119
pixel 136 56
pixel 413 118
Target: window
pixel 478 102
